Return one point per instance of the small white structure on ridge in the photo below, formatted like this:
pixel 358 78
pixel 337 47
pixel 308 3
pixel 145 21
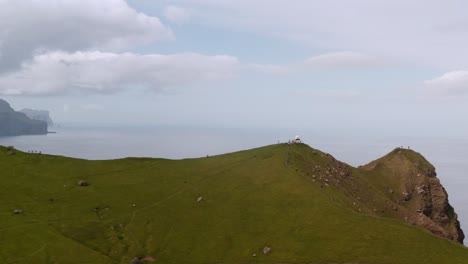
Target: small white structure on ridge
pixel 297 139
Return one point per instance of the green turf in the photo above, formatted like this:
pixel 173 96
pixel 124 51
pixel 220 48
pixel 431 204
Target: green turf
pixel 250 199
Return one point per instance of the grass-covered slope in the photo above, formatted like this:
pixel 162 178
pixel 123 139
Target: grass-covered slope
pixel 224 209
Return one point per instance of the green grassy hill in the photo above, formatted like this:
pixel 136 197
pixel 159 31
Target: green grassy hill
pixel 302 203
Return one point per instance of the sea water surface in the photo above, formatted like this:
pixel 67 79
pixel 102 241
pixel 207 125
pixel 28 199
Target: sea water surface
pixel 449 156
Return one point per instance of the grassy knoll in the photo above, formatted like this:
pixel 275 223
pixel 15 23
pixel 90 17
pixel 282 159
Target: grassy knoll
pixel 221 209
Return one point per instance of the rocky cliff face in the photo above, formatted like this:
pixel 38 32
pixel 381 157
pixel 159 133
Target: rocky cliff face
pixel 14 123
pixel 436 214
pixel 415 192
pixel 41 115
pixel 401 185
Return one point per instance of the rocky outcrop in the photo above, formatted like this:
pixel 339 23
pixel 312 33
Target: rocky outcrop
pixel 416 192
pixel 402 185
pixel 435 213
pixel 14 123
pixel 41 115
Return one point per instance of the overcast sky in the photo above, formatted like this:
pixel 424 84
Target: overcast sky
pixel 375 65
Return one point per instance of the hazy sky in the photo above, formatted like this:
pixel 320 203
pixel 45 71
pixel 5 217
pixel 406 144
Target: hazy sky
pixel 343 65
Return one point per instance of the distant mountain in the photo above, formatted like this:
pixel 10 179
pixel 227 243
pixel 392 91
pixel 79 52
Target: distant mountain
pixel 14 123
pixel 42 115
pixel 5 107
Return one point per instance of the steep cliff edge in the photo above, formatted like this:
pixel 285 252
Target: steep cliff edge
pixel 41 115
pixel 410 182
pixel 401 185
pixel 14 123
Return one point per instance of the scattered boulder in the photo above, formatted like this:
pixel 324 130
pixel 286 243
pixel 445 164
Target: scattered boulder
pixel 137 260
pixel 141 259
pixel 406 196
pixel 199 199
pixel 149 259
pixel 83 183
pixel 266 250
pixel 18 211
pixel 11 150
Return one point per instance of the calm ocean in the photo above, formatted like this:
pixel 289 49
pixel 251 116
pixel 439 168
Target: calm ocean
pixel 449 156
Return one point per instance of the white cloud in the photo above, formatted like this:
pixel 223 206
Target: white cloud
pixel 31 27
pixel 95 72
pixel 177 14
pixel 268 68
pixel 102 73
pixel 345 59
pixel 341 60
pixel 450 83
pixel 421 31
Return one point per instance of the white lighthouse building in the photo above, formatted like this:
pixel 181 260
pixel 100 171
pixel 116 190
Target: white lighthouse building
pixel 297 139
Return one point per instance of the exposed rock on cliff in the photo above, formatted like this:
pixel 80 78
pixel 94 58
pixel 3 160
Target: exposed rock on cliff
pixel 416 192
pixel 401 185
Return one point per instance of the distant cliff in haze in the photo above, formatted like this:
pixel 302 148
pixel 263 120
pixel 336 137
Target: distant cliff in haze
pixel 41 115
pixel 14 123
